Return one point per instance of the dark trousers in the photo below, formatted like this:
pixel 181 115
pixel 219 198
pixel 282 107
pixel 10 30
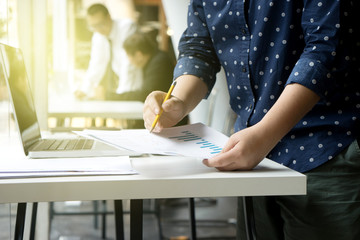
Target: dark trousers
pixel 329 211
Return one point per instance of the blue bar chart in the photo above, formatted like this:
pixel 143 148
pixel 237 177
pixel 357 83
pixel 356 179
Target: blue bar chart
pixel 187 136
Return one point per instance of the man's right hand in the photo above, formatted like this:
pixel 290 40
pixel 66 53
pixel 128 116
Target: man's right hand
pixel 174 111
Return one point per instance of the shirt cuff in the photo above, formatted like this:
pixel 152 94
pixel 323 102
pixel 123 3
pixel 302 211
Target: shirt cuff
pixel 192 66
pixel 313 75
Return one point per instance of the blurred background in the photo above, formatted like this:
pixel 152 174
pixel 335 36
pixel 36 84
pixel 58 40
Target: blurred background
pixel 56 41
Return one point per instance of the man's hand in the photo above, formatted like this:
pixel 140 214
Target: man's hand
pixel 187 94
pixel 244 150
pixel 174 111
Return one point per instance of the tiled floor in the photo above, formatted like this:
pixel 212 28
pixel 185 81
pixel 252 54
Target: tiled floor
pixel 215 220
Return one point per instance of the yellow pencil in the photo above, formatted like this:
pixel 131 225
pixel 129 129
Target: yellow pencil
pixel 161 110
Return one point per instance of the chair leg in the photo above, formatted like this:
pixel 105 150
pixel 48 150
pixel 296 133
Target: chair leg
pixel 192 218
pixel 96 210
pixel 103 216
pixel 119 220
pixel 157 209
pixel 20 221
pixel 33 221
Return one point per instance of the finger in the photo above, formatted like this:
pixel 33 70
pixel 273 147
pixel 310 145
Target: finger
pixel 154 99
pixel 146 125
pixel 230 144
pixel 221 160
pixel 229 160
pixel 151 108
pixel 148 117
pixel 156 129
pixel 230 167
pixel 225 166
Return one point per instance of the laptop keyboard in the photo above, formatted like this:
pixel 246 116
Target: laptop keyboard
pixel 65 144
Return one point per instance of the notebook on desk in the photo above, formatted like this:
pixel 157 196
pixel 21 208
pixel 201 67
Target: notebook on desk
pixel 13 67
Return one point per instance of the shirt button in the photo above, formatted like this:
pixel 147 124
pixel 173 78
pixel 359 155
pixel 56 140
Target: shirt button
pixel 243 31
pixel 243 69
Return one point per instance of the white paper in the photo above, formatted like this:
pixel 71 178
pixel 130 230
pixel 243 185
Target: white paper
pixel 67 166
pixel 59 174
pixel 194 140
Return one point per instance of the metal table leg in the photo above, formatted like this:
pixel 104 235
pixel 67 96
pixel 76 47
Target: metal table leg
pixel 20 221
pixel 136 219
pixel 192 218
pixel 119 220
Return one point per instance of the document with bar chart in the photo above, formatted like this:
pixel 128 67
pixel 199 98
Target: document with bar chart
pixel 194 140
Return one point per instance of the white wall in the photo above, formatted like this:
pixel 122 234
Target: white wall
pixel 176 17
pixel 214 111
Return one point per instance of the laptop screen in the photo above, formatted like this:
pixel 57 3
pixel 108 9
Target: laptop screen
pixel 12 62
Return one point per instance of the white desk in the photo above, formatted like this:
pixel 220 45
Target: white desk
pixel 268 179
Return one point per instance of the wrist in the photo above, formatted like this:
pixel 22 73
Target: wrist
pixel 293 104
pixel 190 90
pixel 271 133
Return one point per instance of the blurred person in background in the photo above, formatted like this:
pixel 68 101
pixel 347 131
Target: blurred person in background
pixel 156 65
pixel 109 72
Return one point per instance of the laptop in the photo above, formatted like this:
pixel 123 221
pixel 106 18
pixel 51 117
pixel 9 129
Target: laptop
pixel 13 67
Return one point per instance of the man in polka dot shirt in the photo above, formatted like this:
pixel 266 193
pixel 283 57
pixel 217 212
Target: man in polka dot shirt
pixel 293 74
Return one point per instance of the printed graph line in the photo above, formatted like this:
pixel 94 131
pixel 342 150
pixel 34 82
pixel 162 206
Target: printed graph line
pixel 204 144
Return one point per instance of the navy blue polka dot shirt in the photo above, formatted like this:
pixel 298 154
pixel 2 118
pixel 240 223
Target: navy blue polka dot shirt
pixel 265 45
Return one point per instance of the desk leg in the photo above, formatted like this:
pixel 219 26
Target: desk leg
pixel 192 218
pixel 249 218
pixel 20 221
pixel 119 220
pixel 136 219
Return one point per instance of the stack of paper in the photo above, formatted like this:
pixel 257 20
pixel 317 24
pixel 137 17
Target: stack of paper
pixel 194 140
pixel 66 167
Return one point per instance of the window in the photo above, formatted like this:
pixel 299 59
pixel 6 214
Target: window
pixel 8 35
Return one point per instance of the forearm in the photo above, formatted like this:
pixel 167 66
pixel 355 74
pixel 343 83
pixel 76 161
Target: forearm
pixel 191 90
pixel 293 104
